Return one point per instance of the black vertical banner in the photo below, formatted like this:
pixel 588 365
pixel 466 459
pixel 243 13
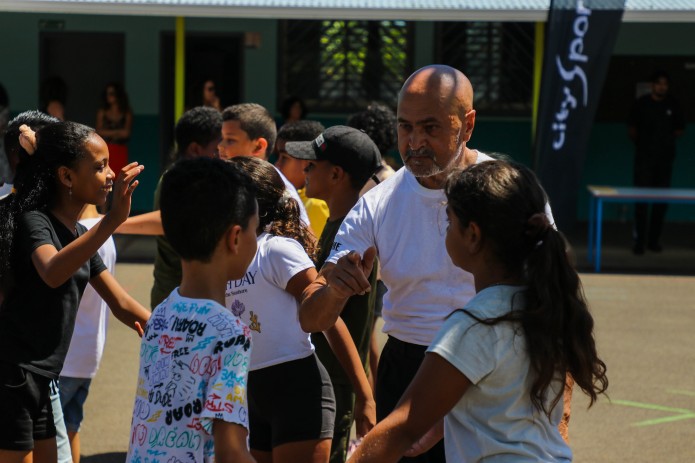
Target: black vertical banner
pixel 579 41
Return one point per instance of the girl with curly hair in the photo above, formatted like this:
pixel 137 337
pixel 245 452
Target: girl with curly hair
pixel 291 399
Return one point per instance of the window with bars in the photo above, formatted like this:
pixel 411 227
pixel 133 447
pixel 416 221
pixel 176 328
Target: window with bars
pixel 341 66
pixel 497 57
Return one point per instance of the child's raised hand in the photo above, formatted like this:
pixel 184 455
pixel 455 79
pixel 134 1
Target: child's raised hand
pixel 123 188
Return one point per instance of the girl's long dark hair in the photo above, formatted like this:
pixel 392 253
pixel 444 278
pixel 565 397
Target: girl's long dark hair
pixel 36 186
pixel 278 212
pixel 508 204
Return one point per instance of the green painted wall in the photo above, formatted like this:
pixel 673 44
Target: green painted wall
pixel 19 71
pixel 655 39
pixel 609 159
pixel 424 44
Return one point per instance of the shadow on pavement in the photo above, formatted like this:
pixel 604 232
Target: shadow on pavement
pixel 112 457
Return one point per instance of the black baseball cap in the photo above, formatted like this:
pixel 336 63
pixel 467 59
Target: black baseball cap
pixel 344 146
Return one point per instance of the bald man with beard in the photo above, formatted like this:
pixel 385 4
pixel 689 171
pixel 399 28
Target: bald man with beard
pixel 403 220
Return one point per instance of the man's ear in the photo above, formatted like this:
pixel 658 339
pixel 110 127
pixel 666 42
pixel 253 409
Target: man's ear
pixel 468 125
pixel 65 176
pixel 260 147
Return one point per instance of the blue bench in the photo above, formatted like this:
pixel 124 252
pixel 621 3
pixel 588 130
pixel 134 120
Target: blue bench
pixel 610 194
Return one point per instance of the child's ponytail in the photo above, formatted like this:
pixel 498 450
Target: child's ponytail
pixel 508 204
pixel 555 293
pixel 287 222
pixel 278 212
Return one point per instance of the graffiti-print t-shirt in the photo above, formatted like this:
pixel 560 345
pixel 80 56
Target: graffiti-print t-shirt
pixel 194 361
pixel 261 301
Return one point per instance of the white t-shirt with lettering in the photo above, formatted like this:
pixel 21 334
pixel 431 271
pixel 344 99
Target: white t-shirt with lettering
pixel 260 300
pixel 194 360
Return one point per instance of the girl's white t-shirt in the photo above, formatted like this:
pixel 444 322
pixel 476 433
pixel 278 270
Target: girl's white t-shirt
pixel 91 323
pixel 260 300
pixel 495 419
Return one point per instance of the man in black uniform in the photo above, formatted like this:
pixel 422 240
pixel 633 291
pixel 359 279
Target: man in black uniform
pixel 656 120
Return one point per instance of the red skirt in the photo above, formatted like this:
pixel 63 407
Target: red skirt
pixel 118 157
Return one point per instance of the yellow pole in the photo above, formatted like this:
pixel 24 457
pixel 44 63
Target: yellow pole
pixel 179 68
pixel 537 73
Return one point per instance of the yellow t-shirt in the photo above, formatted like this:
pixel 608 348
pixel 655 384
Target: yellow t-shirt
pixel 317 210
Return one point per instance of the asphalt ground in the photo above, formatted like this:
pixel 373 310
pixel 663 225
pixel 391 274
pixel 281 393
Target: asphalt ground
pixel 644 310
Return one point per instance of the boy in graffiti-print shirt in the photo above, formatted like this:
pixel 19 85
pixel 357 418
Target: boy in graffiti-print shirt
pixel 190 404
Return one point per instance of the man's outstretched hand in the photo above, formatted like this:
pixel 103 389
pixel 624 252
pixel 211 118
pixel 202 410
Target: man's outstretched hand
pixel 350 276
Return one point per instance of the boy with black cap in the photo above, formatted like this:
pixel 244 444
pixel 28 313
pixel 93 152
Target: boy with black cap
pixel 341 160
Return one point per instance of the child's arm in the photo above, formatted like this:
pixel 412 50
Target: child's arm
pixel 345 351
pixel 434 391
pixel 56 267
pixel 344 348
pixel 126 309
pixel 143 224
pixel 230 443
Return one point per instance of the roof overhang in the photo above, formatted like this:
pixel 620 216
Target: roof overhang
pixel 413 10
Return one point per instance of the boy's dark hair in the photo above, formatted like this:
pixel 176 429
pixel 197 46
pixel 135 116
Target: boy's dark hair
pixel 379 122
pixel 303 130
pixel 199 125
pixel 255 120
pixel 202 198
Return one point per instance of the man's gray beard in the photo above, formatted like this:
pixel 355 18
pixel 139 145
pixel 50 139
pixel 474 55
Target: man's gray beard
pixel 435 169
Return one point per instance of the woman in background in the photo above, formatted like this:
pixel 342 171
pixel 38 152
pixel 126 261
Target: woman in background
pixel 114 124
